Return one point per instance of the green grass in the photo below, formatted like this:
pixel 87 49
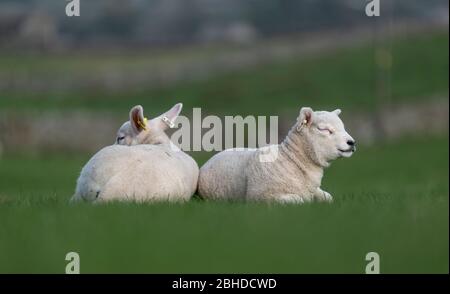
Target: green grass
pixel 392 199
pixel 345 78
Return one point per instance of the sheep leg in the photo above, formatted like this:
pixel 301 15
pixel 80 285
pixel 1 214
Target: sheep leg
pixel 290 199
pixel 323 195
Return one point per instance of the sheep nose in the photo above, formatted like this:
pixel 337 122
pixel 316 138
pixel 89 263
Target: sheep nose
pixel 351 142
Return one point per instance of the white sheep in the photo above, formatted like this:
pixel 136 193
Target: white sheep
pixel 295 173
pixel 142 165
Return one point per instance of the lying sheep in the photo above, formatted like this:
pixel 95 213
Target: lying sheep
pixel 142 165
pixel 295 173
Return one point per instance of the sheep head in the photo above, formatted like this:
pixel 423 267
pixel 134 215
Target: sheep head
pixel 140 130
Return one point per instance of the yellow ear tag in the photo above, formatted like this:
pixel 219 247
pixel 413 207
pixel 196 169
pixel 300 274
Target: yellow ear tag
pixel 143 125
pixel 300 126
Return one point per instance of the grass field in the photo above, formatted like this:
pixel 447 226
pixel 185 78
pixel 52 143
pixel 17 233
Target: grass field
pixel 391 198
pixel 419 69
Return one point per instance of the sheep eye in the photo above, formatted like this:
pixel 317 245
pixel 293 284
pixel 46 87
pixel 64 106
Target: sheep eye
pixel 325 130
pixel 120 139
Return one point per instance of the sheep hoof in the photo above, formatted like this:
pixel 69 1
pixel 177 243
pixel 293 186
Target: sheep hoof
pixel 327 197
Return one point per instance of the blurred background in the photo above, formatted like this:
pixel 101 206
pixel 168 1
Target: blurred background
pixel 68 83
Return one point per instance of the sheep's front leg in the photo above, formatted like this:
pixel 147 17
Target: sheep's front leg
pixel 290 199
pixel 323 195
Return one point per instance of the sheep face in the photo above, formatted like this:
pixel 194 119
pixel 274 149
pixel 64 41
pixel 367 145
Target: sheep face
pixel 139 130
pixel 325 136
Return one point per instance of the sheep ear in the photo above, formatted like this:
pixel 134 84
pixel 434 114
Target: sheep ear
pixel 337 111
pixel 306 116
pixel 137 119
pixel 170 116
